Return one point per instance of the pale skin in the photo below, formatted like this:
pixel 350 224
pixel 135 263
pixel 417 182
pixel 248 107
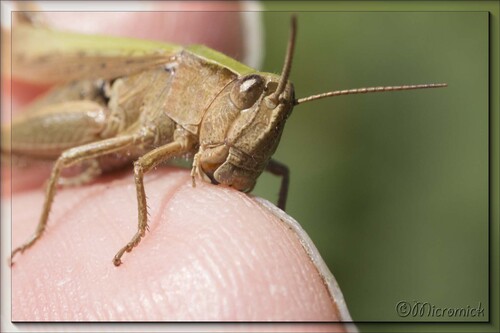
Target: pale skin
pixel 211 252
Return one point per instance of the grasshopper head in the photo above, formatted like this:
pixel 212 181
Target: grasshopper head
pixel 242 129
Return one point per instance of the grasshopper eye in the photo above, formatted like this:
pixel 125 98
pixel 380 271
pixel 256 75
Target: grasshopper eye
pixel 246 91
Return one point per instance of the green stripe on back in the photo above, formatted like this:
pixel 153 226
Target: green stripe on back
pixel 220 59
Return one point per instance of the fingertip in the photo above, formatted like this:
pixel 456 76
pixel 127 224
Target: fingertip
pixel 211 246
pixel 254 252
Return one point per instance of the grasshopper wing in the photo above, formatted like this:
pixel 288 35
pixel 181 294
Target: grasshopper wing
pixel 48 56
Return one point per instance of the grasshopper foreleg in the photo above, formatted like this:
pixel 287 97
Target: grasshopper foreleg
pixel 68 158
pixel 280 170
pixel 181 144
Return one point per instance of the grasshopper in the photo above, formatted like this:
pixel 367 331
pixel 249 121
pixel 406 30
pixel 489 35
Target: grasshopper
pixel 123 104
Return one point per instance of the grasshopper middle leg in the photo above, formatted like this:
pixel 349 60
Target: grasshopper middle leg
pixel 181 145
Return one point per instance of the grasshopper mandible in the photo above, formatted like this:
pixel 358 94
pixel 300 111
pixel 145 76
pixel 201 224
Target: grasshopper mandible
pixel 123 104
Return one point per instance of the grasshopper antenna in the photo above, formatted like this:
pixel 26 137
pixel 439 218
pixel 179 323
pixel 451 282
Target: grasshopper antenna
pixel 285 73
pixel 368 90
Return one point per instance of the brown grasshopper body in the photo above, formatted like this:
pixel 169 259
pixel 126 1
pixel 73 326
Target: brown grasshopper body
pixel 232 150
pixel 231 121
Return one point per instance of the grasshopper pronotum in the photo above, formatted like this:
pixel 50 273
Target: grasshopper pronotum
pixel 129 105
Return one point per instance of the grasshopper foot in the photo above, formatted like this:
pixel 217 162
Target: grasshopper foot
pixel 127 248
pixel 25 246
pixel 14 253
pixel 117 261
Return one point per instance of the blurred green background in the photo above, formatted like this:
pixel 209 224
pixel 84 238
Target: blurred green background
pixel 391 187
